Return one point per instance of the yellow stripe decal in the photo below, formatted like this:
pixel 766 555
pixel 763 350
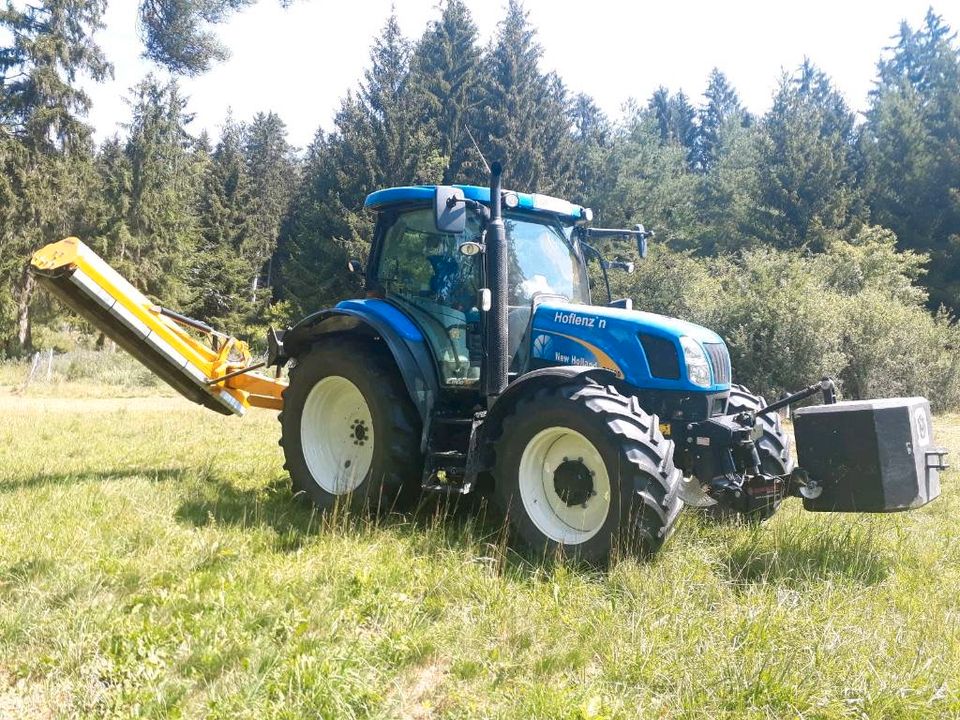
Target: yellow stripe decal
pixel 604 360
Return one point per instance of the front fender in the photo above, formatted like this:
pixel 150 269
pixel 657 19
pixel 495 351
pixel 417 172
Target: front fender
pixel 531 382
pixel 376 319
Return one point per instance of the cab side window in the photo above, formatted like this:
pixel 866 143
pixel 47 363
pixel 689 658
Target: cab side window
pixel 423 272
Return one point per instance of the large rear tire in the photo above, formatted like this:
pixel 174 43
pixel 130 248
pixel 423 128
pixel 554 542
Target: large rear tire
pixel 348 429
pixel 583 471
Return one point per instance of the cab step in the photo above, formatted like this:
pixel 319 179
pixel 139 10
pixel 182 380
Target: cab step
pixel 448 455
pixel 448 449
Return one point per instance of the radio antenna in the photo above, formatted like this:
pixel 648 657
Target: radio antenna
pixel 477 148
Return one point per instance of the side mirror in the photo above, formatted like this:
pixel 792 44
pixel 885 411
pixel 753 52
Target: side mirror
pixel 449 210
pixel 642 236
pixel 355 267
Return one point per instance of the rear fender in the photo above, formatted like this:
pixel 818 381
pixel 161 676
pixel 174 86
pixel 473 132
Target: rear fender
pixel 377 320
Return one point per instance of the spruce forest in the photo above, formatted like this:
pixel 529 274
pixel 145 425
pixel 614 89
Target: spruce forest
pixel 817 238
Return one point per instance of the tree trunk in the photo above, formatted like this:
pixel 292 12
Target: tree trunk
pixel 24 296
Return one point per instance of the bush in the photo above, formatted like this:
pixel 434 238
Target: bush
pixel 93 367
pixel 783 328
pixel 670 283
pixel 854 313
pixel 100 367
pixel 900 350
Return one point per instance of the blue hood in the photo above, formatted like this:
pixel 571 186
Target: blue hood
pixel 618 339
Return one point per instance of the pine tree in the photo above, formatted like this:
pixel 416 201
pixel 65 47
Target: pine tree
pixel 445 74
pixel 807 191
pixel 676 120
pixel 154 230
pixel 220 277
pixel 271 178
pixel 398 148
pixel 721 109
pixel 649 182
pixel 321 234
pixel 659 105
pixel 912 150
pixel 728 192
pixel 225 190
pixel 51 45
pixel 378 142
pixel 12 249
pixel 684 122
pixel 592 140
pixel 176 33
pixel 42 110
pixel 523 113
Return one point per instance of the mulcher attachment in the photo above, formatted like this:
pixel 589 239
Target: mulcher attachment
pixel 216 375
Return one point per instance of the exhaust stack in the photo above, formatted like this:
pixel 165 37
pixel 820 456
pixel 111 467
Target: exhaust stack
pixel 498 361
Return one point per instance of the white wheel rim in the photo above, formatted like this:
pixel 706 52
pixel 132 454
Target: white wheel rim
pixel 336 434
pixel 553 516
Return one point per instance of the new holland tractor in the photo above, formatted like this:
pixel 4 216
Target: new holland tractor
pixel 477 363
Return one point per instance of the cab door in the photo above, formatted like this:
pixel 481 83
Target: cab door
pixel 422 271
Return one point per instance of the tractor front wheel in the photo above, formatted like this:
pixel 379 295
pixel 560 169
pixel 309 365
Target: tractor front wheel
pixel 349 430
pixel 583 471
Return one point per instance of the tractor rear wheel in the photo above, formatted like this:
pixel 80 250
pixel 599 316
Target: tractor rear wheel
pixel 349 430
pixel 773 448
pixel 582 470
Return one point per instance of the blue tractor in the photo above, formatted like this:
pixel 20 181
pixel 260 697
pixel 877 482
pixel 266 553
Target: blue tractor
pixel 477 362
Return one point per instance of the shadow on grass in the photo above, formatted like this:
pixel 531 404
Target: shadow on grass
pixel 25 570
pixel 461 524
pixel 294 519
pixel 809 554
pixel 99 476
pixel 220 502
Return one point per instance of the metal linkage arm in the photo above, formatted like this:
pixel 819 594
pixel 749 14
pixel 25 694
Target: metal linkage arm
pixel 825 386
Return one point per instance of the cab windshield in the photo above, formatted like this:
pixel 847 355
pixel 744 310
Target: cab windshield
pixel 542 260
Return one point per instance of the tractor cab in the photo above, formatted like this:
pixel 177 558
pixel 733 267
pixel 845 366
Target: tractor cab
pixel 436 274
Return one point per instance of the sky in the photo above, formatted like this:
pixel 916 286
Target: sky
pixel 301 60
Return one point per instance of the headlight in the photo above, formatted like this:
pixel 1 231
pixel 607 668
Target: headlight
pixel 698 369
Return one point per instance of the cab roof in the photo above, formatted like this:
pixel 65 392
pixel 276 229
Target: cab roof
pixel 531 202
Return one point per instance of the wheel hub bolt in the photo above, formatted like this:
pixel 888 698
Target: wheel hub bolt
pixel 592 493
pixel 359 431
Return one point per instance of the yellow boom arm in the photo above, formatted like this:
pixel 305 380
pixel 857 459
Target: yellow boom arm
pixel 216 374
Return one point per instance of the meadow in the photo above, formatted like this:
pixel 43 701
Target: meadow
pixel 153 563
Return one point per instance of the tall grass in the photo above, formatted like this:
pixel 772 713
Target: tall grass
pixel 154 564
pixel 97 372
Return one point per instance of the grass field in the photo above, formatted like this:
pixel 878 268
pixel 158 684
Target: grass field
pixel 153 563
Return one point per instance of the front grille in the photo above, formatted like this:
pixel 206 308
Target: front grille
pixel 662 357
pixel 720 360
